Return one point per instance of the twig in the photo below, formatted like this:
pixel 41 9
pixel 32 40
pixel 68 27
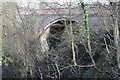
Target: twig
pixel 106 46
pixel 58 70
pixel 41 75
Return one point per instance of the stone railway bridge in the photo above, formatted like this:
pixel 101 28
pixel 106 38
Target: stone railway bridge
pixel 48 17
pixel 99 20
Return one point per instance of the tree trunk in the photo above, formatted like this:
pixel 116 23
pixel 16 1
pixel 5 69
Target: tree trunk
pixel 116 31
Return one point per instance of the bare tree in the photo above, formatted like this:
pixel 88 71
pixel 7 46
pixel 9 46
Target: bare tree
pixel 116 31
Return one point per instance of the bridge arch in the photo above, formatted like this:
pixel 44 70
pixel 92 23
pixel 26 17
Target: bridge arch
pixel 60 19
pixel 56 28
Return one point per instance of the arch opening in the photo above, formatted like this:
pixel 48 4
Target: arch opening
pixel 57 33
pixel 52 34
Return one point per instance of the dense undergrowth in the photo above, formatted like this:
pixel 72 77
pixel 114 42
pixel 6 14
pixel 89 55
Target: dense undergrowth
pixel 73 50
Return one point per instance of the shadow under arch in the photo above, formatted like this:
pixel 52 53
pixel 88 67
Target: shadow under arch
pixel 50 34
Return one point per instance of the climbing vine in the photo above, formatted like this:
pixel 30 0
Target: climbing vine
pixel 85 27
